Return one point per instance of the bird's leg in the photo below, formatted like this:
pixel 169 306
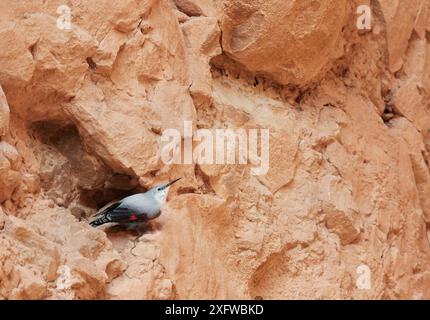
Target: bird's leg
pixel 140 229
pixel 137 226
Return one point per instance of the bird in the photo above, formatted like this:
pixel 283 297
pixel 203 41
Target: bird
pixel 139 207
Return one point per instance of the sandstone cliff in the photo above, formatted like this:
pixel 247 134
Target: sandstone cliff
pixel 83 108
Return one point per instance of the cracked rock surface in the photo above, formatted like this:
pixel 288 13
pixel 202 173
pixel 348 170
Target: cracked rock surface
pixel 81 117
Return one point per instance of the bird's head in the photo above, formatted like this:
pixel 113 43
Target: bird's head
pixel 161 191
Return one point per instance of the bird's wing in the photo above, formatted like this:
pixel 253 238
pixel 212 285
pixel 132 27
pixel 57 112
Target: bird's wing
pixel 121 214
pixel 110 206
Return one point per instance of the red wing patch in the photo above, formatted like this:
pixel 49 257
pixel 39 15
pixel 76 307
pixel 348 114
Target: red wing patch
pixel 133 217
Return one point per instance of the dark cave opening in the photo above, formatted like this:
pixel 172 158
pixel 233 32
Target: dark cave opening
pixel 72 175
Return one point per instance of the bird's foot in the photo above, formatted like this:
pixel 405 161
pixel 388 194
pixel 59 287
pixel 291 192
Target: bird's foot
pixel 139 228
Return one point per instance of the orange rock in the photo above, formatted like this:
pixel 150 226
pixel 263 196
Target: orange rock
pixel 4 114
pixel 346 190
pixel 399 18
pixel 408 102
pixel 291 42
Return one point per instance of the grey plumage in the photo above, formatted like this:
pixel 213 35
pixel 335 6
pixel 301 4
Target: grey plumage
pixel 139 207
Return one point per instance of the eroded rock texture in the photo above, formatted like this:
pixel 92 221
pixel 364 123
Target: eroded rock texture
pixel 82 112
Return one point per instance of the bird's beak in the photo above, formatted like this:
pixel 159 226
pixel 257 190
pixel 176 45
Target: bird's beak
pixel 170 183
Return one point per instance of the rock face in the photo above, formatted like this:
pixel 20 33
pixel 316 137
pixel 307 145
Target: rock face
pixel 4 114
pixel 400 19
pixel 291 41
pixel 83 112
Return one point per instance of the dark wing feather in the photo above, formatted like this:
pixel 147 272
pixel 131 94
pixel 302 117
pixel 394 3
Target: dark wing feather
pixel 110 206
pixel 121 214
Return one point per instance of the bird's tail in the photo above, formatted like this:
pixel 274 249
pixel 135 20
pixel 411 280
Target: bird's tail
pixel 99 221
